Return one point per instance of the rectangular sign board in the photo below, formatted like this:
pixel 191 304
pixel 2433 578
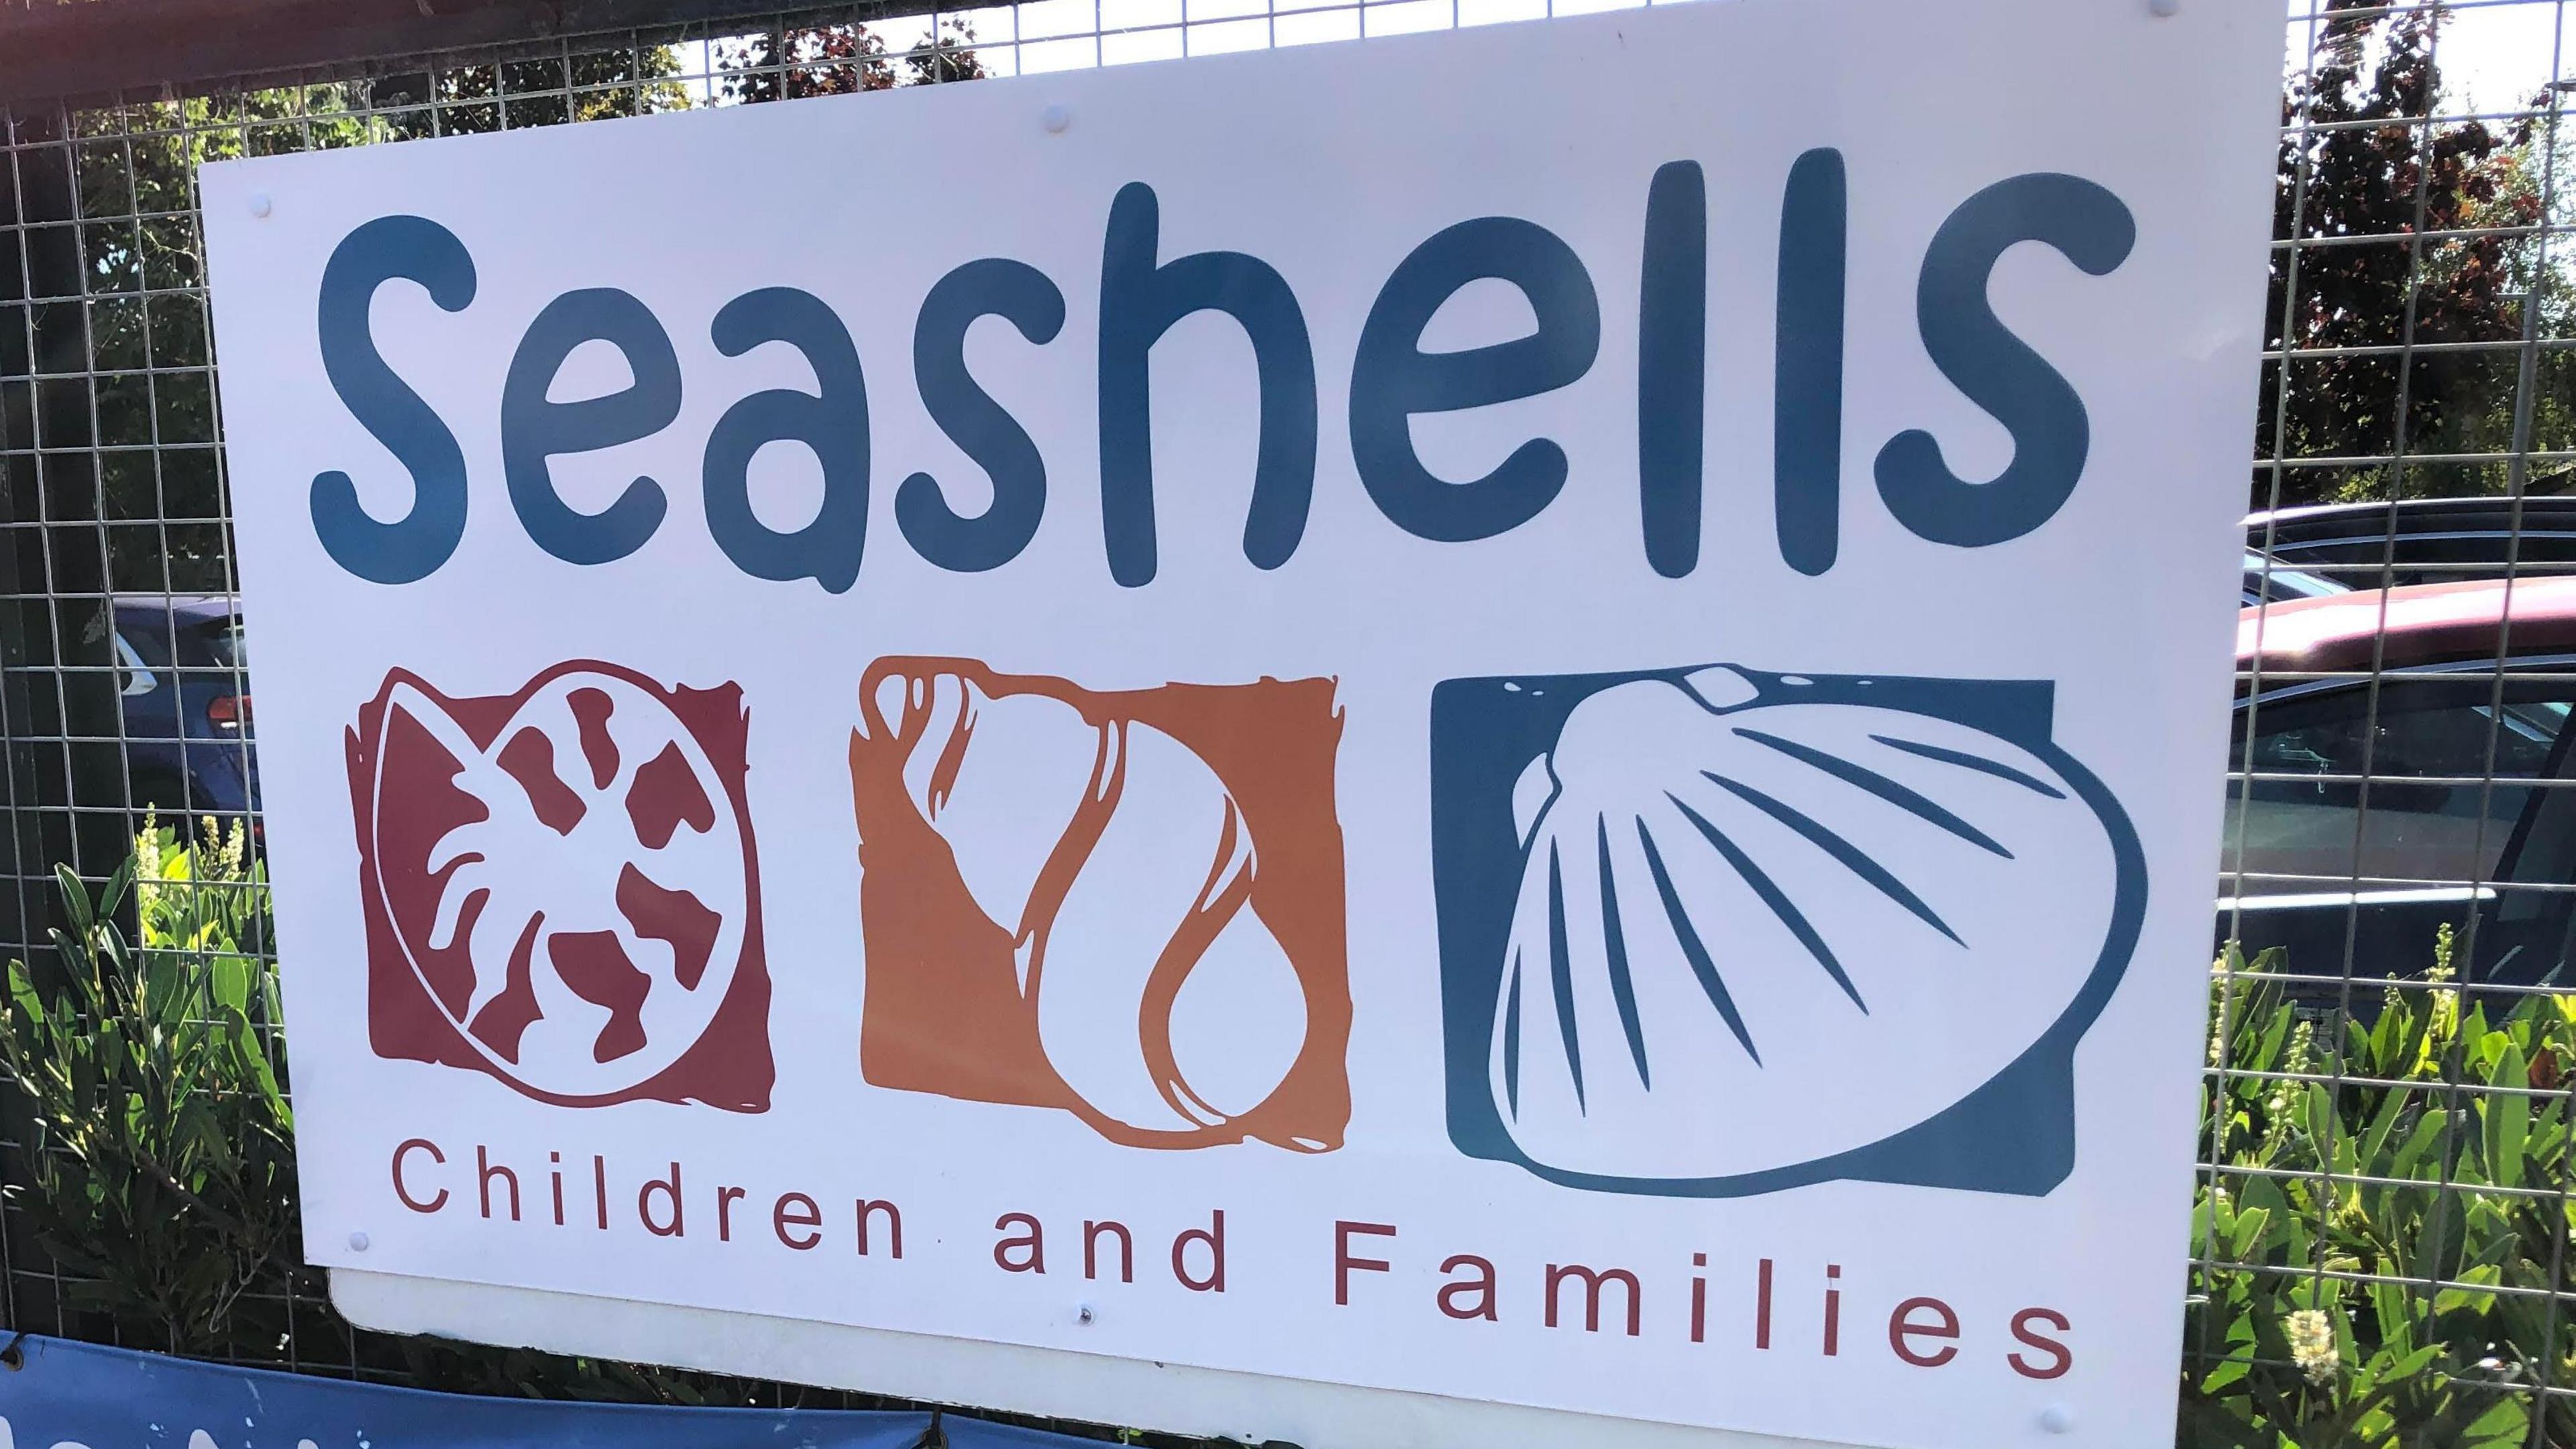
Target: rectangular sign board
pixel 1532 715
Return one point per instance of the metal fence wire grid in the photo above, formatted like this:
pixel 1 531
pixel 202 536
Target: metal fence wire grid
pixel 2385 1170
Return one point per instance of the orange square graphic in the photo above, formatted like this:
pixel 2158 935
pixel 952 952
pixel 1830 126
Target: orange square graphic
pixel 1124 904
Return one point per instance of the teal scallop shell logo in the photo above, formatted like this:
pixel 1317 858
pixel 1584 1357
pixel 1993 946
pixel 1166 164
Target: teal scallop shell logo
pixel 1715 932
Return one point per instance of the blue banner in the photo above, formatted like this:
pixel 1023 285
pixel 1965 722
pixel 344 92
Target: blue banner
pixel 54 1391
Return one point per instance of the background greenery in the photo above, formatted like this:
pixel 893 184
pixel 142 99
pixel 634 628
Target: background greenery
pixel 160 1174
pixel 2353 164
pixel 2386 1220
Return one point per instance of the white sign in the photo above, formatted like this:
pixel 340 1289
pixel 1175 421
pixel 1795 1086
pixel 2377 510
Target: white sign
pixel 1533 715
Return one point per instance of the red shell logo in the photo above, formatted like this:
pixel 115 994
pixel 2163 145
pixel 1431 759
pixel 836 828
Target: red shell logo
pixel 560 887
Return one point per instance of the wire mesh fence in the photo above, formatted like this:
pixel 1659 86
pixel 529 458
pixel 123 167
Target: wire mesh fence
pixel 2386 1183
pixel 2380 1250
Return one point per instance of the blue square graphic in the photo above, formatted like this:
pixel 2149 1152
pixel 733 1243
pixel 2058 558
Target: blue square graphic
pixel 1715 932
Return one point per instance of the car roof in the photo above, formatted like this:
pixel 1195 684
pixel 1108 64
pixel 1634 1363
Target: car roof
pixel 181 608
pixel 2410 515
pixel 2422 624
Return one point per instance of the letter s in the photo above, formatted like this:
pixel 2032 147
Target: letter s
pixel 414 249
pixel 2059 1359
pixel 980 427
pixel 1997 370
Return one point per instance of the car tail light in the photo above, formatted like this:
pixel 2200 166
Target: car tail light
pixel 228 711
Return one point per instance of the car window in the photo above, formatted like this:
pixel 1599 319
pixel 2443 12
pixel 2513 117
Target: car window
pixel 146 636
pixel 217 645
pixel 2433 555
pixel 133 676
pixel 2273 581
pixel 2303 822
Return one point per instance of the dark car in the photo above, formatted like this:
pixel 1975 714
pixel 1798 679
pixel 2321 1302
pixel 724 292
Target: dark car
pixel 2418 540
pixel 186 704
pixel 2268 580
pixel 2470 815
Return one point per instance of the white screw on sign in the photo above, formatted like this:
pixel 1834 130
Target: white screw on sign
pixel 2058 1418
pixel 1055 119
pixel 2164 7
pixel 260 206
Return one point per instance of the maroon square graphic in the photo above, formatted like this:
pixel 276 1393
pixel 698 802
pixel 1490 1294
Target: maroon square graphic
pixel 561 888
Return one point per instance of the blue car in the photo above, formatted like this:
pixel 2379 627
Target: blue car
pixel 186 705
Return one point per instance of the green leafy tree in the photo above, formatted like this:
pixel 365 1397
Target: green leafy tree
pixel 2357 161
pixel 837 60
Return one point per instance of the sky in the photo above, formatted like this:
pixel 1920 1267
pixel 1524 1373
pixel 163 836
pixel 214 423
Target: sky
pixel 2495 54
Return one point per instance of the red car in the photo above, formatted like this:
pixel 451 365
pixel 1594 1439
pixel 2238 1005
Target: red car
pixel 2403 764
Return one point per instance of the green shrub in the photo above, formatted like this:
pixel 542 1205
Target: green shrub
pixel 160 1171
pixel 2403 1165
pixel 160 1176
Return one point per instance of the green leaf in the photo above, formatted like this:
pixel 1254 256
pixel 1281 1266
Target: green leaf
pixel 2317 1108
pixel 2393 1305
pixel 24 1003
pixel 2249 1226
pixel 2419 1144
pixel 228 978
pixel 2506 1424
pixel 2507 1114
pixel 2374 1139
pixel 2266 1055
pixel 2382 1044
pixel 2452 1300
pixel 75 897
pixel 165 999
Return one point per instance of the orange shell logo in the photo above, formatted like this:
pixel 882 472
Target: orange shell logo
pixel 1124 904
